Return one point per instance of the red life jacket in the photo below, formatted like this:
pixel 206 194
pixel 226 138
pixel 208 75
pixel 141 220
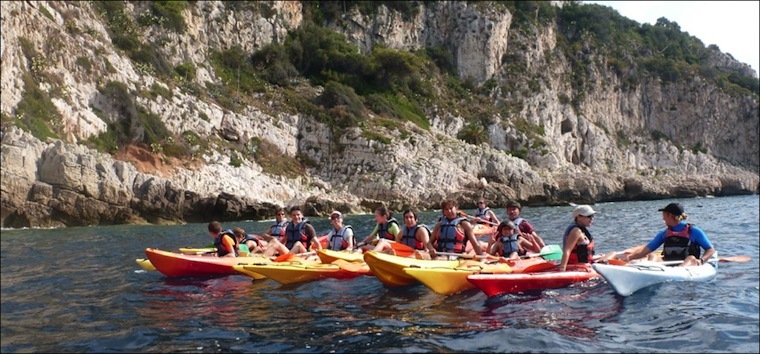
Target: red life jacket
pixel 678 245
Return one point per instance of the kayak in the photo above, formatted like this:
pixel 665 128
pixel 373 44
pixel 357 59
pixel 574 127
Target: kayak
pixel 183 265
pixel 329 256
pixel 289 273
pixel 483 230
pixel 389 269
pixel 144 263
pixel 627 279
pixel 452 280
pixel 448 281
pixel 500 284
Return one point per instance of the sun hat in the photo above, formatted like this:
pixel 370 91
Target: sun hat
pixel 583 210
pixel 673 208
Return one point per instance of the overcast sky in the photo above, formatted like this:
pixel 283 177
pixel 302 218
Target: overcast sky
pixel 734 26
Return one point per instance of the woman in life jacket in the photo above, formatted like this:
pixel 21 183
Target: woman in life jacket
pixel 680 241
pixel 452 232
pixel 577 243
pixel 341 237
pixel 277 229
pixel 509 243
pixel 484 214
pixel 385 230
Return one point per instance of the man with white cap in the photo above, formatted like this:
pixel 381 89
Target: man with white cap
pixel 577 243
pixel 681 241
pixel 341 237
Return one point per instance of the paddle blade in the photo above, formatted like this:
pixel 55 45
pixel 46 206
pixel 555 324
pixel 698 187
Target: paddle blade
pixel 617 262
pixel 401 249
pixel 284 257
pixel 734 259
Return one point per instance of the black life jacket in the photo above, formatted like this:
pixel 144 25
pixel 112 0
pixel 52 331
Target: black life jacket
pixel 581 253
pixel 382 230
pixel 297 233
pixel 220 250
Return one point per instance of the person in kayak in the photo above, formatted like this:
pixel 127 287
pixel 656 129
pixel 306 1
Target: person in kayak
pixel 299 236
pixel 680 241
pixel 244 240
pixel 341 237
pixel 524 228
pixel 577 243
pixel 484 214
pixel 510 244
pixel 452 232
pixel 277 229
pixel 385 230
pixel 224 241
pixel 414 235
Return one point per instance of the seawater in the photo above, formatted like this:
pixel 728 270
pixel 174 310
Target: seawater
pixel 79 290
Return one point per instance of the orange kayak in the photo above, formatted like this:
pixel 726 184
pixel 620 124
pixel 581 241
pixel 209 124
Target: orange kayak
pixel 183 265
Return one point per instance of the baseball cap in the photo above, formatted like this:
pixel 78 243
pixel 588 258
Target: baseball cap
pixel 513 203
pixel 673 208
pixel 335 213
pixel 584 210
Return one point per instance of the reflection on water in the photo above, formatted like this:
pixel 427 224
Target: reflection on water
pixel 82 292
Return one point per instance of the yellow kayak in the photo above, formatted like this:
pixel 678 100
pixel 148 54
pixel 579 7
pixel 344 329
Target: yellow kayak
pixel 389 269
pixel 451 280
pixel 187 250
pixel 145 263
pixel 255 276
pixel 329 256
pixel 289 273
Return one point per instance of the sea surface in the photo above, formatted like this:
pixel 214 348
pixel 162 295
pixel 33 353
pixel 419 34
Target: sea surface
pixel 79 290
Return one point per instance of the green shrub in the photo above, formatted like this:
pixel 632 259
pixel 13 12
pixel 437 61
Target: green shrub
pixel 84 63
pixel 336 94
pixel 168 14
pixel 35 112
pixel 186 71
pixel 372 135
pixel 473 133
pixel 273 161
pixel 158 90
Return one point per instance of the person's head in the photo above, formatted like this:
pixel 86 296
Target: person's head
pixel 482 203
pixel 279 214
pixel 295 214
pixel 583 215
pixel 214 228
pixel 382 214
pixel 336 218
pixel 449 209
pixel 506 227
pixel 410 218
pixel 513 209
pixel 239 233
pixel 673 214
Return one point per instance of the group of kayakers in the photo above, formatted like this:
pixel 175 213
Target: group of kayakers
pixel 453 235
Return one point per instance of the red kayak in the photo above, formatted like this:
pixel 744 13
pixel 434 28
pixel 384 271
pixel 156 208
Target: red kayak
pixel 500 284
pixel 183 265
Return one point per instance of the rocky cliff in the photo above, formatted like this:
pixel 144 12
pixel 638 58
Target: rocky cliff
pixel 68 78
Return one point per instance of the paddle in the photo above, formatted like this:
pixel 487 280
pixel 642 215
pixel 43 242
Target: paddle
pixel 467 256
pixel 478 219
pixel 548 252
pixel 288 256
pixel 738 259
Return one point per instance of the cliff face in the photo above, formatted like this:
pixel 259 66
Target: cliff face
pixel 653 139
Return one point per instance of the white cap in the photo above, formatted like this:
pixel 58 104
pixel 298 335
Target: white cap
pixel 335 212
pixel 584 210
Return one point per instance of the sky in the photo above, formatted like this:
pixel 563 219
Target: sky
pixel 734 26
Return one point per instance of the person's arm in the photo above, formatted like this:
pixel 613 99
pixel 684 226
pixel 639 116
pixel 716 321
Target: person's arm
pixel 349 234
pixel 701 239
pixel 266 235
pixel 640 252
pixel 310 233
pixel 495 249
pixel 568 246
pixel 493 217
pixel 372 235
pixel 229 245
pixel 422 235
pixel 526 244
pixel 467 228
pixel 433 237
pixel 394 230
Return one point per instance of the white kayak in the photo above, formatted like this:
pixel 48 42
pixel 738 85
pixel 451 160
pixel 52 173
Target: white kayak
pixel 627 279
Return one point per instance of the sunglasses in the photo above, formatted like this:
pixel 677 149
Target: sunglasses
pixel 479 203
pixel 280 214
pixel 336 217
pixel 590 216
